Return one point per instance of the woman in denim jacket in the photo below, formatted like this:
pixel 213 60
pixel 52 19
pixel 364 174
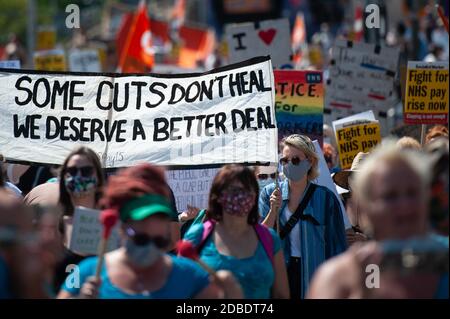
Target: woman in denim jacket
pixel 319 233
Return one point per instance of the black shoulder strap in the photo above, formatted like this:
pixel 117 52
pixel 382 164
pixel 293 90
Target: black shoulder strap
pixel 298 213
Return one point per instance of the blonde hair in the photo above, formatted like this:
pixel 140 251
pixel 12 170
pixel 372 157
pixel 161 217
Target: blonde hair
pixel 304 144
pixel 408 143
pixel 389 152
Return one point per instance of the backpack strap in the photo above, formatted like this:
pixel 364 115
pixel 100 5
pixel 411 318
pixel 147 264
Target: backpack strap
pixel 298 214
pixel 208 227
pixel 265 237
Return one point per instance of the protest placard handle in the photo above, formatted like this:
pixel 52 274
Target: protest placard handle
pixel 422 134
pixel 108 218
pixel 101 256
pixel 277 186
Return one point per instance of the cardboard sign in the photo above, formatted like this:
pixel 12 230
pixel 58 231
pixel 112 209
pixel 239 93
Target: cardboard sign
pixel 10 64
pixel 354 134
pixel 52 60
pixel 269 37
pixel 426 96
pixel 325 179
pixel 87 232
pixel 191 187
pixel 299 103
pixel 361 77
pixel 84 61
pixel 222 116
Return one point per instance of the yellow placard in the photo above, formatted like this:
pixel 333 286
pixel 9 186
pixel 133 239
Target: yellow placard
pixel 45 40
pixel 426 94
pixel 50 62
pixel 354 139
pixel 103 58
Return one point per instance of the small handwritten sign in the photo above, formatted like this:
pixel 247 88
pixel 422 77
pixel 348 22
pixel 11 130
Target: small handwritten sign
pixel 87 232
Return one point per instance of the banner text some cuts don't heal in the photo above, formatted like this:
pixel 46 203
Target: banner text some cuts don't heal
pixel 223 116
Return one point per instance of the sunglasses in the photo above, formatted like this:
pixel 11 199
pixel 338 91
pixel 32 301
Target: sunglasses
pixel 266 176
pixel 295 160
pixel 85 171
pixel 144 239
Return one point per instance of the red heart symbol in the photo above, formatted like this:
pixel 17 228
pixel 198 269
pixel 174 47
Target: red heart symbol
pixel 267 36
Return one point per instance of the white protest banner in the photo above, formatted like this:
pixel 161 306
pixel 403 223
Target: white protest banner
pixel 84 60
pixel 325 179
pixel 87 232
pixel 222 116
pixel 354 134
pixel 10 64
pixel 361 77
pixel 246 40
pixel 191 187
pixel 426 97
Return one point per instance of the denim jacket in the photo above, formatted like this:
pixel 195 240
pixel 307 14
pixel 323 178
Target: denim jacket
pixel 319 240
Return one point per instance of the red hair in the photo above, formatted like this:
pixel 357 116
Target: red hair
pixel 134 182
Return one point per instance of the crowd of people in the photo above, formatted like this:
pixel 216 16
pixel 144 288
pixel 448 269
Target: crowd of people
pixel 267 231
pixel 263 235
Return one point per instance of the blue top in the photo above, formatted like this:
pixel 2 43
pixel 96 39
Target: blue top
pixel 186 280
pixel 4 282
pixel 320 240
pixel 255 274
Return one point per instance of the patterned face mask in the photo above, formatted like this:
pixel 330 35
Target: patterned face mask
pixel 238 204
pixel 80 185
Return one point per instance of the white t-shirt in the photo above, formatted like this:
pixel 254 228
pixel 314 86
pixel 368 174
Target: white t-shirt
pixel 294 235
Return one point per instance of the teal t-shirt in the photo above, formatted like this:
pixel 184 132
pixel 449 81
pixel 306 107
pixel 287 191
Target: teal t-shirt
pixel 255 273
pixel 185 281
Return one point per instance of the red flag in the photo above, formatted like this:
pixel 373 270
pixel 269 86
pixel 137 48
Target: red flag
pixel 137 53
pixel 122 33
pixel 298 37
pixel 358 27
pixel 298 32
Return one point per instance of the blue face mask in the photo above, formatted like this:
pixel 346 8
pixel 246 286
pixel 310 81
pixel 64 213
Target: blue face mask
pixel 264 182
pixel 143 255
pixel 296 172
